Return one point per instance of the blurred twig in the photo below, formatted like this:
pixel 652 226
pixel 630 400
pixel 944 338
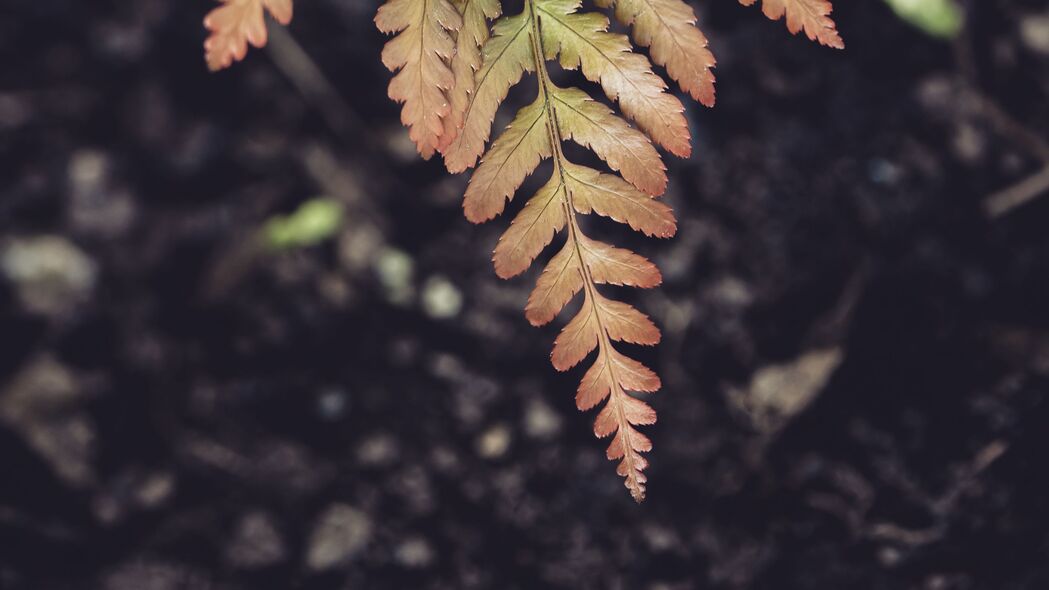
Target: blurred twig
pixel 1005 200
pixel 333 177
pixel 943 506
pixel 320 162
pixel 297 66
pixel 1009 198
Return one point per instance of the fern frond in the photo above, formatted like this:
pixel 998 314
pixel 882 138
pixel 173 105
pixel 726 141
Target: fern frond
pixel 467 60
pixel 452 73
pixel 420 54
pixel 811 16
pixel 553 30
pixel 237 23
pixel 668 28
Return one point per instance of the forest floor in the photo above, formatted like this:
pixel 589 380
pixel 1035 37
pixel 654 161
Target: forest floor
pixel 855 355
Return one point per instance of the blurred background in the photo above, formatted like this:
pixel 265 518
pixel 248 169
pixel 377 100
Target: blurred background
pixel 249 341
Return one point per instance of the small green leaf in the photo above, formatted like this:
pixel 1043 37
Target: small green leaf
pixel 313 222
pixel 938 18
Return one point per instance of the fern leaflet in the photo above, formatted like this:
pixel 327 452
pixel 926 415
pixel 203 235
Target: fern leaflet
pixel 668 29
pixel 420 54
pixel 467 60
pixel 507 56
pixel 811 16
pixel 237 23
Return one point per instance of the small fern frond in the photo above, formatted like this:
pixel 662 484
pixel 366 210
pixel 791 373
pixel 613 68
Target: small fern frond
pixel 420 54
pixel 811 16
pixel 668 28
pixel 554 30
pixel 237 23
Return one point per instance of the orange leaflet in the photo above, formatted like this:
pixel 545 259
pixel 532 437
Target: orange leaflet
pixel 237 23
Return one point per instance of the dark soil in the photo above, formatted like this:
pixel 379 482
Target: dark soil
pixel 197 414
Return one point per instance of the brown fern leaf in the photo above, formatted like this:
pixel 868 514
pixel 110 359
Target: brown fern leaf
pixel 668 28
pixel 420 54
pixel 811 16
pixel 467 60
pixel 237 23
pixel 553 30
